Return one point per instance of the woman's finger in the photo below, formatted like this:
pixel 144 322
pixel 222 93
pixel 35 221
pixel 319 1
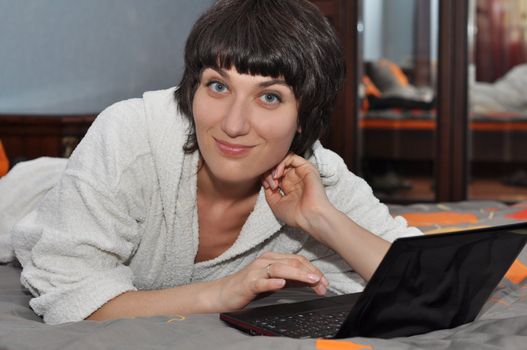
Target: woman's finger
pixel 286 271
pixel 305 263
pixel 291 267
pixel 292 259
pixel 269 182
pixel 263 285
pixel 287 161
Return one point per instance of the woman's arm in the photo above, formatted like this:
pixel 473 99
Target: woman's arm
pixel 267 273
pixel 189 299
pixel 296 195
pixel 361 249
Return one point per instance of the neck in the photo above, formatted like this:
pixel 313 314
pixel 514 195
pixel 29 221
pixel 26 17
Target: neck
pixel 218 190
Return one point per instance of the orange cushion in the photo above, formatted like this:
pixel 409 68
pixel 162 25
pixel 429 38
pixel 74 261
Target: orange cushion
pixel 4 162
pixel 440 218
pixel 369 87
pixel 395 70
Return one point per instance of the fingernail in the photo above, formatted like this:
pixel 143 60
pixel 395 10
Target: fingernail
pixel 313 277
pixel 274 174
pixel 265 184
pixel 279 283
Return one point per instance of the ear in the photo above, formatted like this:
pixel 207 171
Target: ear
pixel 299 129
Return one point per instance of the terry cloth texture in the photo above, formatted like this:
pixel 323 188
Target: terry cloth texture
pixel 20 191
pixel 123 217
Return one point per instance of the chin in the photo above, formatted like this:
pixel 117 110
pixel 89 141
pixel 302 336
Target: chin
pixel 234 172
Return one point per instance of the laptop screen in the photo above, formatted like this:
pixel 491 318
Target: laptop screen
pixel 434 282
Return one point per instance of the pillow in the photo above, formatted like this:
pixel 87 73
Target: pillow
pixel 396 91
pixel 386 75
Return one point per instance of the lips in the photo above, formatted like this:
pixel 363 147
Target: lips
pixel 231 149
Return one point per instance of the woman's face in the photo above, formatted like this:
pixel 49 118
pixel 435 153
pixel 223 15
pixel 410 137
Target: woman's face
pixel 244 124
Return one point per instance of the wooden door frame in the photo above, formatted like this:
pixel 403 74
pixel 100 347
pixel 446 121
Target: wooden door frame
pixel 343 133
pixel 451 163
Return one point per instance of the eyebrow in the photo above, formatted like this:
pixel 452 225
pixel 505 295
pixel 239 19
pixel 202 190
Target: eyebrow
pixel 263 84
pixel 273 82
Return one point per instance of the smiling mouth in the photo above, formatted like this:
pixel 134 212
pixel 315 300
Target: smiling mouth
pixel 232 150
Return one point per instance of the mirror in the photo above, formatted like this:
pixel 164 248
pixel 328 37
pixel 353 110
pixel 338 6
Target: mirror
pixel 397 93
pixel 498 100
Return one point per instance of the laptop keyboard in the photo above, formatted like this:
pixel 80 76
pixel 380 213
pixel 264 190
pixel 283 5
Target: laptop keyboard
pixel 305 325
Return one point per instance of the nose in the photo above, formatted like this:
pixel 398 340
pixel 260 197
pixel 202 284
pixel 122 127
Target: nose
pixel 235 121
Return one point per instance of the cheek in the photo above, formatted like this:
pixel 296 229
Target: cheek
pixel 279 135
pixel 199 106
pixel 206 110
pixel 282 127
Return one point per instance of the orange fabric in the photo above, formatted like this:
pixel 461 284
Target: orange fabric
pixel 519 215
pixel 431 124
pixel 328 344
pixel 365 105
pixel 493 126
pixel 369 87
pixel 396 71
pixel 517 272
pixel 4 162
pixel 440 218
pixel 406 124
pixel 451 229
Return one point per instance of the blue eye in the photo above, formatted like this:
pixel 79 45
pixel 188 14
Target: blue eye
pixel 217 87
pixel 270 98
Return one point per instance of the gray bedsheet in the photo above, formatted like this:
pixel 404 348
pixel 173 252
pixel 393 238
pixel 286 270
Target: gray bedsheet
pixel 502 324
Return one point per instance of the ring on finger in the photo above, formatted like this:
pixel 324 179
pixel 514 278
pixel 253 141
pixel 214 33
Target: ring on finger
pixel 268 271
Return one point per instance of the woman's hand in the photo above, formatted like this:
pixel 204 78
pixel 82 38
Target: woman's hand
pixel 295 193
pixel 269 273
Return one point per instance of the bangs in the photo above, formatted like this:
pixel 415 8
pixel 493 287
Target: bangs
pixel 249 43
pixel 252 59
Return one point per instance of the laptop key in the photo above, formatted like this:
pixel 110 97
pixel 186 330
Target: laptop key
pixel 308 324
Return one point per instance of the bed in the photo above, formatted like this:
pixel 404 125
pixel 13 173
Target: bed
pixel 502 324
pixel 399 119
pixel 399 134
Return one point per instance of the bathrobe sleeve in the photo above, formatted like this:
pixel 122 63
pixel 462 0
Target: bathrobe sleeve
pixel 354 197
pixel 74 246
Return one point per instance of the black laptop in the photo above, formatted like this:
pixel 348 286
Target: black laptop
pixel 424 283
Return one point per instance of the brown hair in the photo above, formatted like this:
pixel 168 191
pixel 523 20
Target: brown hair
pixel 287 38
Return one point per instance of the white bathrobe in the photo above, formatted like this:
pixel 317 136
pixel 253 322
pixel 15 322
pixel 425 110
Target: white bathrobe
pixel 123 217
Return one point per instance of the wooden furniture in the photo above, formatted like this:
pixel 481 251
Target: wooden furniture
pixel 414 139
pixel 32 136
pixel 344 127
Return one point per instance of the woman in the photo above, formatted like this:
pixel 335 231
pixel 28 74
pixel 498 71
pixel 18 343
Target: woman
pixel 197 199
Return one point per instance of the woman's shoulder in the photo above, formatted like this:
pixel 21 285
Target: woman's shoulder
pixel 330 165
pixel 153 106
pixel 335 175
pixel 152 116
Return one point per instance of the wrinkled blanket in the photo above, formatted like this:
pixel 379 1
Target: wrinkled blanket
pixel 507 94
pixel 502 323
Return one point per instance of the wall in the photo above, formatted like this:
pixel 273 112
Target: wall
pixel 389 30
pixel 63 56
pixel 373 24
pixel 398 31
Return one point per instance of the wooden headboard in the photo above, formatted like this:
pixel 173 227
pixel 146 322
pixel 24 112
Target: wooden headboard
pixel 32 136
